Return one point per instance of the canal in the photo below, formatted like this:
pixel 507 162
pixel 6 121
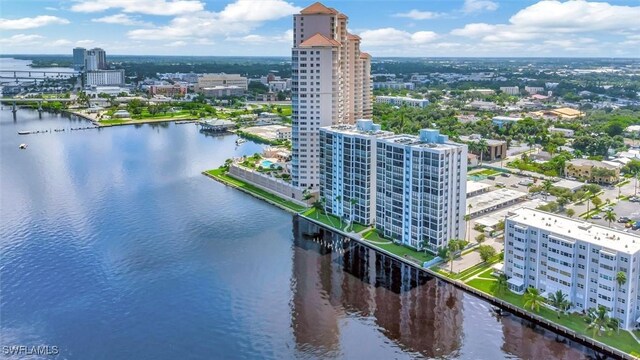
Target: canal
pixel 114 246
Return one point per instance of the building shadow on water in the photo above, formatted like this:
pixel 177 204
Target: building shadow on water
pixel 336 278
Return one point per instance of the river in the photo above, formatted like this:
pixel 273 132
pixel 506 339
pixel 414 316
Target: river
pixel 114 246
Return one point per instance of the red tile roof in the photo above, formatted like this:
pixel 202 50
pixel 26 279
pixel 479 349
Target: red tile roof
pixel 319 40
pixel 318 8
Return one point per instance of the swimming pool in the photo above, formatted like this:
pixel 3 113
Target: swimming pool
pixel 266 164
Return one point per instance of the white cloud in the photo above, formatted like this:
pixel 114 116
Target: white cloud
pixel 121 19
pixel 50 8
pixel 85 42
pixel 418 15
pixel 286 37
pixel 177 43
pixel 59 42
pixel 21 39
pixel 552 18
pixel 236 18
pixel 30 23
pixel 471 6
pixel 394 37
pixel 151 7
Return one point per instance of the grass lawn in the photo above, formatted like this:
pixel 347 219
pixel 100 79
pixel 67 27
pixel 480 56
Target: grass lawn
pixel 400 250
pixel 484 172
pixel 221 175
pixel 112 122
pixel 622 340
pixel 332 220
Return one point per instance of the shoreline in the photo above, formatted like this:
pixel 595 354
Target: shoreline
pixel 125 122
pixel 491 299
pixel 522 313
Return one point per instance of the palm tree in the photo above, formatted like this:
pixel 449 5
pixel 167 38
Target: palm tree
pixel 306 195
pixel 482 147
pixel 598 319
pixel 559 301
pixel 353 203
pixel 546 186
pixel 621 278
pixel 501 284
pixel 533 299
pixel 454 246
pixel 467 218
pixel 610 216
pixel 531 141
pixel 317 206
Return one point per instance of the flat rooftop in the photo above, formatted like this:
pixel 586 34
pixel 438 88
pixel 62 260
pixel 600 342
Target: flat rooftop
pixel 473 186
pixel 353 130
pixel 416 142
pixel 491 199
pixel 578 230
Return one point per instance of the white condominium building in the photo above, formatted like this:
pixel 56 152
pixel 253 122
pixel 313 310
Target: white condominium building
pixel 510 90
pixel 402 100
pixel 224 80
pixel 347 169
pixel 330 84
pixel 421 189
pixel 104 77
pixel 551 253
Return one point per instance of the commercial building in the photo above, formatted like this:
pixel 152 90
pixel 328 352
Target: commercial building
pixel 402 100
pixel 592 170
pixel 348 169
pixel 104 77
pixel 534 89
pixel 565 113
pixel 168 90
pixel 221 80
pixel 396 85
pixel 90 62
pixel 561 131
pixel 331 84
pixel 510 90
pixel 496 149
pixel 483 92
pixel 222 91
pixel 421 189
pixel 100 58
pixel 79 55
pixel 553 253
pixel 501 121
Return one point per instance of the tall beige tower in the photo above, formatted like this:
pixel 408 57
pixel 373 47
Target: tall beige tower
pixel 331 84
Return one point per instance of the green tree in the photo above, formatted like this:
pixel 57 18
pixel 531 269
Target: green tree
pixel 533 299
pixel 501 285
pixel 559 301
pixel 547 185
pixel 610 216
pixel 596 201
pixel 571 212
pixel 598 319
pixel 317 205
pixel 482 147
pixel 486 252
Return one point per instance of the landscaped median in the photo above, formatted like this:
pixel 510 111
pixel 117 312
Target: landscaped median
pixel 372 237
pixel 221 175
pixel 486 283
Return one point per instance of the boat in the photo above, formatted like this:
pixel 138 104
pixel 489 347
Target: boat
pixel 240 141
pixel 24 132
pixel 23 146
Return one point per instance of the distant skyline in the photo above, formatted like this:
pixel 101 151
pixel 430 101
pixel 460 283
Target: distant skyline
pixel 483 28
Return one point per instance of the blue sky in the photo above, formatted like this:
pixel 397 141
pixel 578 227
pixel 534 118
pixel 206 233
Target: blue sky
pixel 263 27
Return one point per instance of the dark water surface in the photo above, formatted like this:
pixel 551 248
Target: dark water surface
pixel 114 246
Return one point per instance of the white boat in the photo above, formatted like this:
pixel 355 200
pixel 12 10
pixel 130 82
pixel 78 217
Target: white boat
pixel 23 146
pixel 240 141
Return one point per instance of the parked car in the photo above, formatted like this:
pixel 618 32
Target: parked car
pixel 505 174
pixel 491 177
pixel 596 216
pixel 623 219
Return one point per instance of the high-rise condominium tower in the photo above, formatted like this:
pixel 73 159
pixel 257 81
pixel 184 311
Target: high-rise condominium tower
pixel 331 84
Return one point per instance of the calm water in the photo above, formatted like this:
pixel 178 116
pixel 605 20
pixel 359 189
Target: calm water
pixel 114 246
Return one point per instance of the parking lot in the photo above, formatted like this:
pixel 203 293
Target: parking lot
pixel 621 208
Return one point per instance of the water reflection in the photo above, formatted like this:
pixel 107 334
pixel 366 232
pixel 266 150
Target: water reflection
pixel 336 279
pixel 413 310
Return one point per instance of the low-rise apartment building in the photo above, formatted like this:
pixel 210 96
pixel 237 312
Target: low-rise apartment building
pixel 551 252
pixel 221 80
pixel 402 100
pixel 510 90
pixel 592 170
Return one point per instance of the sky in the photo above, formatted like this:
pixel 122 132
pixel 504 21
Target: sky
pixel 423 28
